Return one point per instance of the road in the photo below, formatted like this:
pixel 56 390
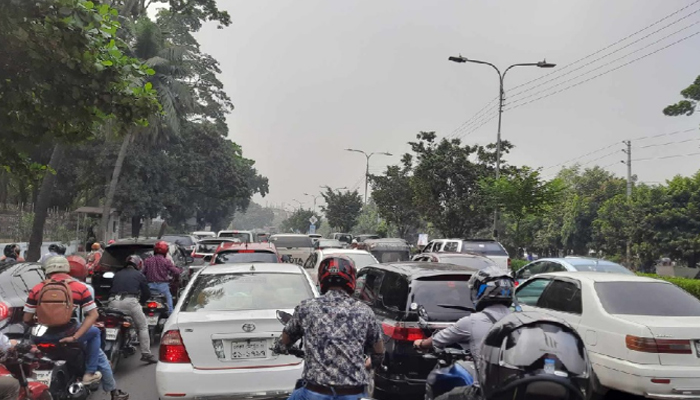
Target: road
pixel 139 380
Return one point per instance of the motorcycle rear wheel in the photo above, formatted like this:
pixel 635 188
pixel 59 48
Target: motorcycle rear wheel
pixel 116 354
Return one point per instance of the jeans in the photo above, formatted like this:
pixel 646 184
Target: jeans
pixel 132 307
pixel 92 339
pixel 163 288
pixel 306 394
pixel 108 382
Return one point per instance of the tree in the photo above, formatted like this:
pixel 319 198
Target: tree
pixel 521 195
pixel 691 96
pixel 368 221
pixel 299 221
pixel 255 217
pixel 64 75
pixel 342 209
pixel 393 195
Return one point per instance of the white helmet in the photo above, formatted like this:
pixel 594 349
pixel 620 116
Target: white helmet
pixel 56 264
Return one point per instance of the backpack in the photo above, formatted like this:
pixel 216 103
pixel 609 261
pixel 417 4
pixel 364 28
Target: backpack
pixel 54 303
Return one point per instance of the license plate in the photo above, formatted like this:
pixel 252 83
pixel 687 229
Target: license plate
pixel 42 376
pixel 249 349
pixel 152 320
pixel 111 333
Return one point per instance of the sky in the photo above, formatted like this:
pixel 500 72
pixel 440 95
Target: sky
pixel 310 78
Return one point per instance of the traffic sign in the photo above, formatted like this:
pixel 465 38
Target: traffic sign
pixel 312 229
pixel 313 220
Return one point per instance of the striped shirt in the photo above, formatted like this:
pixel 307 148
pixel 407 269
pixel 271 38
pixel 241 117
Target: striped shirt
pixel 82 299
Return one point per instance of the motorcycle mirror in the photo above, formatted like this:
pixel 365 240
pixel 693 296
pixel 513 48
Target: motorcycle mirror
pixel 108 275
pixel 283 316
pixel 39 330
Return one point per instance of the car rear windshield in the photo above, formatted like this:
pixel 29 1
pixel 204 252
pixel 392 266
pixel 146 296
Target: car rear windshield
pixel 437 291
pixel 647 298
pixel 115 256
pixel 362 260
pixel 248 256
pixel 390 256
pixel 329 243
pixel 206 248
pixel 344 238
pixel 292 241
pixel 259 291
pixel 484 248
pixel 243 236
pixel 471 262
pixel 182 240
pixel 610 268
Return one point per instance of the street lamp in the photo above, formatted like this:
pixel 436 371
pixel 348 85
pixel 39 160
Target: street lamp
pixel 501 94
pixel 333 189
pixel 368 156
pixel 314 197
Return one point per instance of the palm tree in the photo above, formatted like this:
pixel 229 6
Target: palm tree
pixel 151 44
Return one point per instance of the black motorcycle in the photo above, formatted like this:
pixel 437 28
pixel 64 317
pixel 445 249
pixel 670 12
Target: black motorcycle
pixel 63 369
pixel 118 334
pixel 156 311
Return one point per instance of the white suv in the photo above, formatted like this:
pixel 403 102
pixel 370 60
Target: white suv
pixel 484 247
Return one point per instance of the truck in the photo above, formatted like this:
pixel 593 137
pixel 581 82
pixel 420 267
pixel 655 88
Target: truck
pixel 293 248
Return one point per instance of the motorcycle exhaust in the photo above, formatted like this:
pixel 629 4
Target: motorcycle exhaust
pixel 76 390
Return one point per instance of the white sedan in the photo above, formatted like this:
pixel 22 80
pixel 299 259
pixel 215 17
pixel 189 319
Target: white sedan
pixel 642 334
pixel 217 342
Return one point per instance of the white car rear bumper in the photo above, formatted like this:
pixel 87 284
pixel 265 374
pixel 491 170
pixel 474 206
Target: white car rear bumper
pixel 634 378
pixel 183 381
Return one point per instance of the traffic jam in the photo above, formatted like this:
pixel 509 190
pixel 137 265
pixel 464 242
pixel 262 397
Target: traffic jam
pixel 611 333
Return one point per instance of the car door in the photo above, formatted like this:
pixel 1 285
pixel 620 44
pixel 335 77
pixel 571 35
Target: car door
pixel 562 298
pixel 529 270
pixel 528 294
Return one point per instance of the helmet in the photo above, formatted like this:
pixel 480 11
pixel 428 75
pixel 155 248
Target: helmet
pixel 56 264
pixel 134 261
pixel 96 246
pixel 531 355
pixel 60 250
pixel 161 247
pixel 491 286
pixel 11 251
pixel 53 248
pixel 337 270
pixel 78 267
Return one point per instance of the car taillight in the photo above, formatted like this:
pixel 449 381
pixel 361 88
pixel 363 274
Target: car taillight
pixel 45 346
pixel 246 251
pixel 172 349
pixel 652 345
pixel 403 333
pixel 195 255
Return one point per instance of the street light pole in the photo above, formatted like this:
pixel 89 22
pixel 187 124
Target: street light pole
pixel 300 203
pixel 333 189
pixel 314 197
pixel 501 95
pixel 368 156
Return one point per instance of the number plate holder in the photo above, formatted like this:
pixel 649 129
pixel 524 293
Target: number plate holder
pixel 152 319
pixel 42 376
pixel 111 333
pixel 251 348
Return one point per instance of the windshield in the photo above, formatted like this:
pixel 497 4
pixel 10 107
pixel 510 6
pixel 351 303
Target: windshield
pixel 242 236
pixel 443 289
pixel 292 241
pixel 610 268
pixel 115 256
pixel 237 257
pixel 327 243
pixel 343 237
pixel 362 260
pixel 182 240
pixel 206 248
pixel 259 291
pixel 471 262
pixel 484 248
pixel 647 298
pixel 390 256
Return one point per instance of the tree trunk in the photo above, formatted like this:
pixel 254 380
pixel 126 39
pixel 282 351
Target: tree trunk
pixel 42 205
pixel 135 226
pixel 161 232
pixel 106 210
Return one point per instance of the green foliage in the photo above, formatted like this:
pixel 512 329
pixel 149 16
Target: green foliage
pixel 368 222
pixel 299 221
pixel 255 217
pixel 691 286
pixel 393 195
pixel 342 209
pixel 516 264
pixel 691 96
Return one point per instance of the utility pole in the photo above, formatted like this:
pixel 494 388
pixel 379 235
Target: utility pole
pixel 628 151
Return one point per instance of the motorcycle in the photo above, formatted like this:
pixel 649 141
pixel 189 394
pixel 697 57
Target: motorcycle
pixel 156 311
pixel 454 367
pixel 118 334
pixel 62 369
pixel 19 363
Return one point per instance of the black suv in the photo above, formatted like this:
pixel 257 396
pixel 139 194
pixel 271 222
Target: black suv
pixel 394 291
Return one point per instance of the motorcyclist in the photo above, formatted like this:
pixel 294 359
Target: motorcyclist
pixel 11 253
pixel 157 270
pixel 57 268
pixel 9 386
pixel 94 257
pixel 492 294
pixel 54 250
pixel 338 332
pixel 129 291
pixel 78 270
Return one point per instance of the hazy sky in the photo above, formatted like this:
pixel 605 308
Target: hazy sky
pixel 310 78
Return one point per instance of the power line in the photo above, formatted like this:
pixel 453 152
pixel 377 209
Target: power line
pixel 669 143
pixel 479 126
pixel 667 157
pixel 474 117
pixel 580 157
pixel 558 70
pixel 604 73
pixel 665 134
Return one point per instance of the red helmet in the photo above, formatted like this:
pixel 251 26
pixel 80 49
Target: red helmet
pixel 134 260
pixel 78 267
pixel 337 270
pixel 161 247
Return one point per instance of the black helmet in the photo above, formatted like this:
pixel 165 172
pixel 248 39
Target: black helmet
pixel 491 286
pixel 11 251
pixel 58 249
pixel 134 261
pixel 53 248
pixel 530 355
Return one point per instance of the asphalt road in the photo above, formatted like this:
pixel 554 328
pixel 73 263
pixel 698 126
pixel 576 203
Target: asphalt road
pixel 139 380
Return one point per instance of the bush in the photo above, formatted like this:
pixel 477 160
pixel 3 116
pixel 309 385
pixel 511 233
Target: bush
pixel 517 264
pixel 691 286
